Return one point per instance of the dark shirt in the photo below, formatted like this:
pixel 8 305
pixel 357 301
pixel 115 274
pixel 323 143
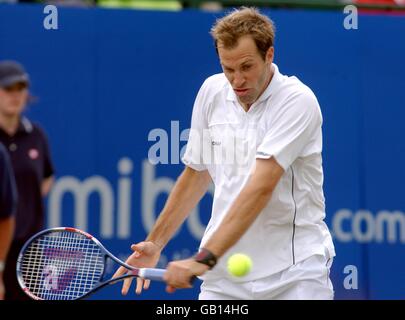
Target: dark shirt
pixel 8 191
pixel 30 158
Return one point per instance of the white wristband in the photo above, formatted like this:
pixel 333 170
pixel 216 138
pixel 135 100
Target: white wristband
pixel 2 266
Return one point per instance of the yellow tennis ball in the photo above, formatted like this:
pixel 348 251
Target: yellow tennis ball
pixel 239 264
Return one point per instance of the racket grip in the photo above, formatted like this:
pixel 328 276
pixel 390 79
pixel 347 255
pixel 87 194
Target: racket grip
pixel 152 274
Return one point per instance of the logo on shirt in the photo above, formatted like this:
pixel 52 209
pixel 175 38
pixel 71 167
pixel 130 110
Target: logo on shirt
pixel 215 143
pixel 33 154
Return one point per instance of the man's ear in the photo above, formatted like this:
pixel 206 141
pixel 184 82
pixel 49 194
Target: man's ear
pixel 270 54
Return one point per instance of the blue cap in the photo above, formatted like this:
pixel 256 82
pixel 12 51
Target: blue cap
pixel 11 72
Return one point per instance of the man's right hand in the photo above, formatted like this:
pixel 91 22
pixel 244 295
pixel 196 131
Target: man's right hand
pixel 146 255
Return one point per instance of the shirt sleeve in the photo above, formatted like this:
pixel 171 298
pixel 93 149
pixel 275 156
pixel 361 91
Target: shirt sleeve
pixel 198 140
pixel 8 189
pixel 296 125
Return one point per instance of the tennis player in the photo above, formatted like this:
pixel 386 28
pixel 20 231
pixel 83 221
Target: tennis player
pixel 268 201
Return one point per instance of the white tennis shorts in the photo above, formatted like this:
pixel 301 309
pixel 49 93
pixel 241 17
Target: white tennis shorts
pixel 306 280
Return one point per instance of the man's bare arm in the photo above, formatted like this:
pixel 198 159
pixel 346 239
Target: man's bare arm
pixel 6 235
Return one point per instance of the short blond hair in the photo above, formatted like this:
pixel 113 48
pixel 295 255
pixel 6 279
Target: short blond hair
pixel 242 22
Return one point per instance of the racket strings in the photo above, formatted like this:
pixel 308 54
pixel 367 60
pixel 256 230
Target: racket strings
pixel 62 265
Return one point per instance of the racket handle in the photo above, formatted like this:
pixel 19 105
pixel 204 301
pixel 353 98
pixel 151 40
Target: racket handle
pixel 152 274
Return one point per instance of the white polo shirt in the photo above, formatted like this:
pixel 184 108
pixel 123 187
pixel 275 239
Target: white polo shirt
pixel 284 123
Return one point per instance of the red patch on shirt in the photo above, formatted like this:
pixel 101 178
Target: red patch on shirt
pixel 33 154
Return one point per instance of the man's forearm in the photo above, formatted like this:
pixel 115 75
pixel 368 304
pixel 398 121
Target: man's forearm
pixel 186 193
pixel 6 236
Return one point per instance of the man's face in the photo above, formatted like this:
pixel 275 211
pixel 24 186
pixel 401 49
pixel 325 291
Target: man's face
pixel 13 99
pixel 246 70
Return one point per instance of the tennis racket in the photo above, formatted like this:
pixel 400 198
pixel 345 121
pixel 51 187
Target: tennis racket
pixel 69 264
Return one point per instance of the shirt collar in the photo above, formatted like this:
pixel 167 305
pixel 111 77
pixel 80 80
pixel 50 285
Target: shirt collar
pixel 25 126
pixel 266 93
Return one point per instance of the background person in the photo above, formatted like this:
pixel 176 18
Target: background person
pixel 30 157
pixel 8 204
